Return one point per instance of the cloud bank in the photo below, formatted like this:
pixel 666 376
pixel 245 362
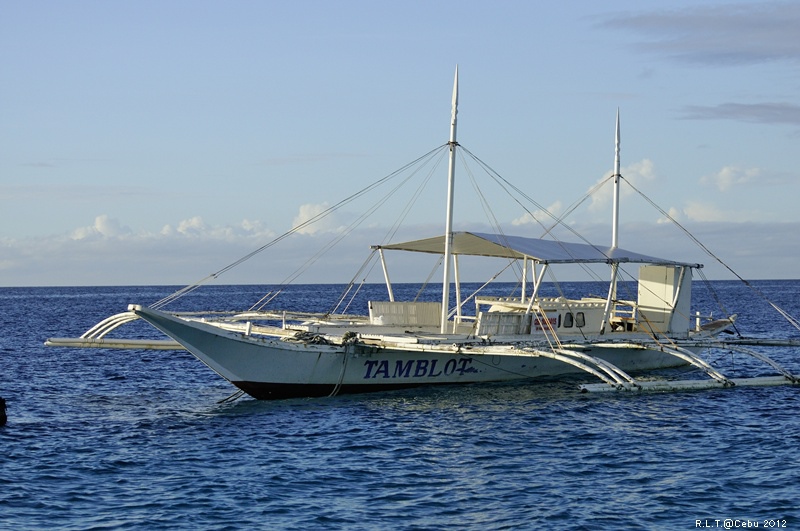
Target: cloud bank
pixel 109 253
pixel 722 35
pixel 758 113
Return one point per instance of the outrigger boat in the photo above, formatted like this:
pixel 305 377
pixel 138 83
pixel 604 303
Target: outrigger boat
pixel 403 344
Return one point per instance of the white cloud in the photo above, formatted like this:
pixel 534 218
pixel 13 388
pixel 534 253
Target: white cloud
pixel 706 212
pixel 635 173
pixel 172 257
pixel 196 227
pixel 192 226
pixel 255 227
pixel 731 176
pixel 674 213
pixel 329 222
pixel 539 216
pixel 103 227
pixel 107 252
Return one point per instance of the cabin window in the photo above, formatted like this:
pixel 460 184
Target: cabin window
pixel 578 319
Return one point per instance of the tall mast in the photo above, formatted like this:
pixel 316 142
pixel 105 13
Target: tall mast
pixel 615 207
pixel 611 306
pixel 448 229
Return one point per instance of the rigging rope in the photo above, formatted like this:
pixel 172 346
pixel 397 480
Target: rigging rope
pixel 187 289
pixel 394 228
pixel 349 229
pixel 513 191
pixel 503 183
pixel 791 319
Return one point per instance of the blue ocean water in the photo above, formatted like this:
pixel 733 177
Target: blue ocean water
pixel 137 439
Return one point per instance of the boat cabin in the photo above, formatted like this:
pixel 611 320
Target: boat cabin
pixel 662 305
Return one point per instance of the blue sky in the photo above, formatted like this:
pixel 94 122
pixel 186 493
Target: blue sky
pixel 156 142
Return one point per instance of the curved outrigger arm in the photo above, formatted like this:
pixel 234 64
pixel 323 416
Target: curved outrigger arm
pixel 109 323
pixel 717 378
pixel 605 371
pixel 766 359
pixel 95 337
pixel 693 359
pixel 622 379
pixel 242 322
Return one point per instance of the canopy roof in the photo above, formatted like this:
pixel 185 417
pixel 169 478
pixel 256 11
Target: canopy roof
pixel 518 247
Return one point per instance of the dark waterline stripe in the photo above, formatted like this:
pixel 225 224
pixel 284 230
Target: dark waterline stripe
pixel 278 391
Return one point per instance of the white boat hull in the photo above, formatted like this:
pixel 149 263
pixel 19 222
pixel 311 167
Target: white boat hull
pixel 271 368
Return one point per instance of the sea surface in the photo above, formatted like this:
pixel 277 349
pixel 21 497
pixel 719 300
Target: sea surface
pixel 115 439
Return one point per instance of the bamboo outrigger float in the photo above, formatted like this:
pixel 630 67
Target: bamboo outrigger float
pixel 401 344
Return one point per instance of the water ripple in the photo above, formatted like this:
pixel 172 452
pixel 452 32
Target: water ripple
pixel 136 440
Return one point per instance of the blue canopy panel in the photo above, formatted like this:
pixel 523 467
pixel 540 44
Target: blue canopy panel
pixel 518 247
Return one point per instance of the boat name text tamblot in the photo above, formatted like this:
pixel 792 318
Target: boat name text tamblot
pixel 417 368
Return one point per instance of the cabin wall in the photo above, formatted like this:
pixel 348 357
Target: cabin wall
pixel 405 313
pixel 501 324
pixel 566 317
pixel 554 314
pixel 658 288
